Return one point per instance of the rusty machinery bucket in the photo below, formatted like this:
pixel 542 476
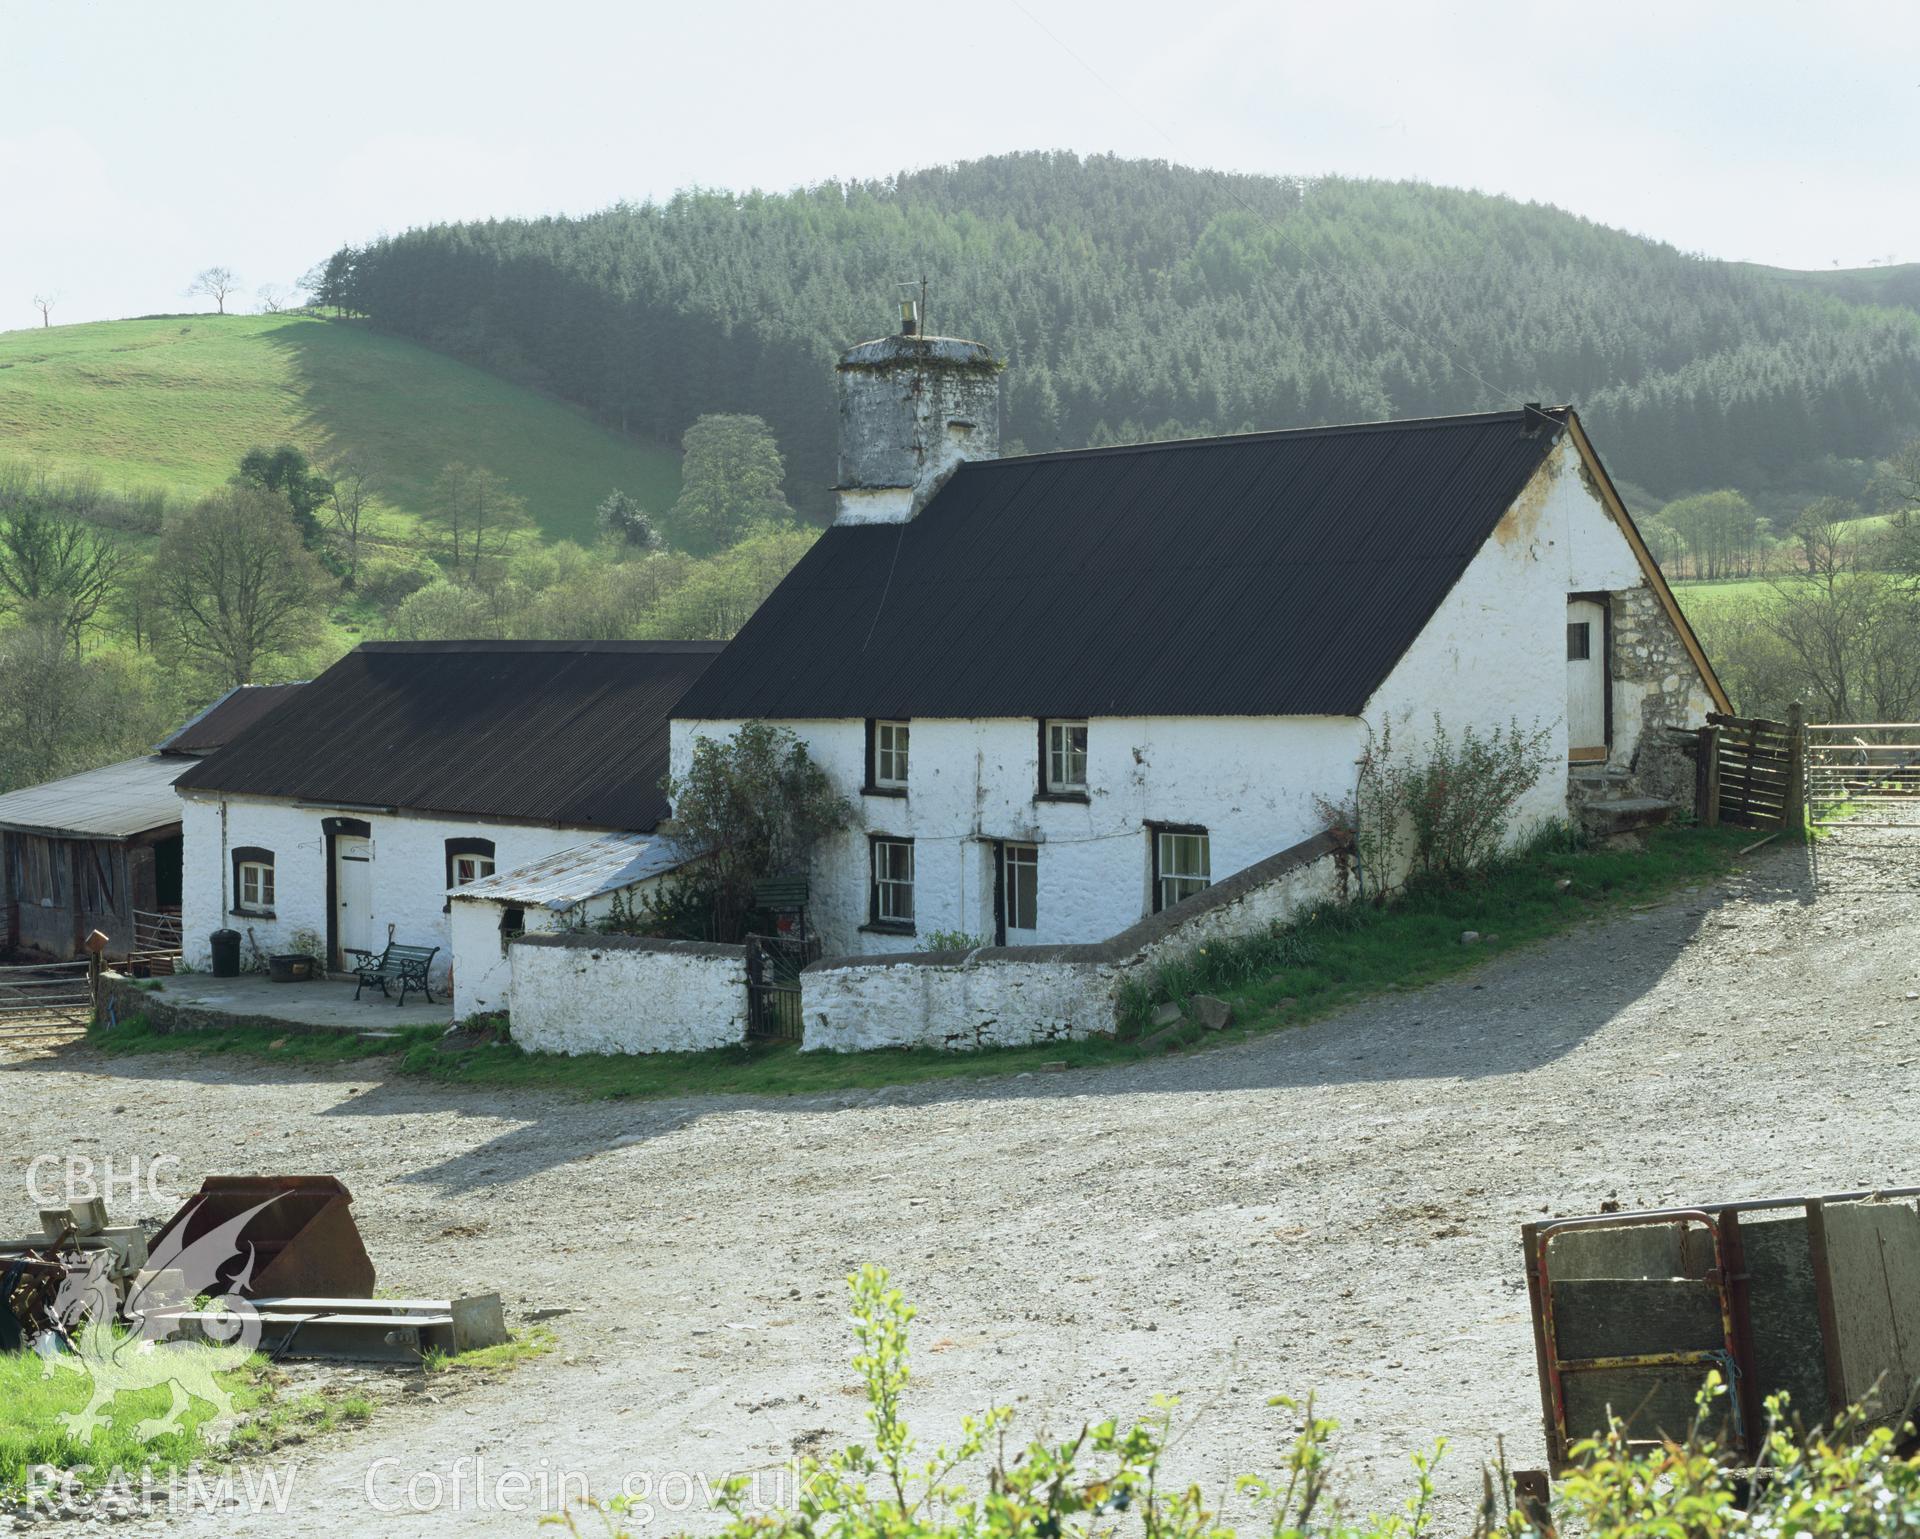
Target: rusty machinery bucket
pixel 302 1243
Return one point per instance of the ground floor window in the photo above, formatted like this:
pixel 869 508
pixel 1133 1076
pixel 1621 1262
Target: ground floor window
pixel 253 881
pixel 1019 889
pixel 1182 865
pixel 892 892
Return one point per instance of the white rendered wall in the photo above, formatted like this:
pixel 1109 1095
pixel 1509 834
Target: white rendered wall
pixel 1495 650
pixel 1009 996
pixel 482 968
pixel 624 994
pixel 409 872
pixel 1249 781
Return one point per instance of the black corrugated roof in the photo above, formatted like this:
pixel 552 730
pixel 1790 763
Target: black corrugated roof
pixel 572 733
pixel 224 720
pixel 1261 574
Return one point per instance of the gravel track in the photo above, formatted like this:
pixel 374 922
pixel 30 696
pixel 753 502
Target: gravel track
pixel 1334 1208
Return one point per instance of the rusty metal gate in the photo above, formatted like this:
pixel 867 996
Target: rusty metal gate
pixel 44 998
pixel 774 963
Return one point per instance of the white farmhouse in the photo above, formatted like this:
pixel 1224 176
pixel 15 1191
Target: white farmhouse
pixel 410 770
pixel 1069 690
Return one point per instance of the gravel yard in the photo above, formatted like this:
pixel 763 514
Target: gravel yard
pixel 1334 1208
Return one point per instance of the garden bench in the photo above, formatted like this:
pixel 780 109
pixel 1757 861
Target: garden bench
pixel 404 965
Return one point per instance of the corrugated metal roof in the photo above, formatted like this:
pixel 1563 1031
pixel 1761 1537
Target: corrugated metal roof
pixel 1262 574
pixel 224 720
pixel 579 872
pixel 571 733
pixel 113 802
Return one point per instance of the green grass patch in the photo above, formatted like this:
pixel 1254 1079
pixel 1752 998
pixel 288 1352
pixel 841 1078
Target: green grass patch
pixel 1333 958
pixel 1339 954
pixel 34 1396
pixel 521 1347
pixel 172 402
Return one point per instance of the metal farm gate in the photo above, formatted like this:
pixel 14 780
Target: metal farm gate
pixel 1863 802
pixel 45 999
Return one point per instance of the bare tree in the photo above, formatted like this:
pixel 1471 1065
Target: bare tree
pixel 476 513
pixel 44 303
pixel 350 506
pixel 232 585
pixel 276 297
pixel 218 284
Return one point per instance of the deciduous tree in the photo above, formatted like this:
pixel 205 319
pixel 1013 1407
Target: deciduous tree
pixel 288 471
pixel 216 283
pixel 476 515
pixel 232 586
pixel 730 474
pixel 56 571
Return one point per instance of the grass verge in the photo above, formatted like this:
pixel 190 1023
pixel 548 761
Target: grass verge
pixel 1331 960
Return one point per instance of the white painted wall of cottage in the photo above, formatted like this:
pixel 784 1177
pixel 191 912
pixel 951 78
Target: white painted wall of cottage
pixel 621 995
pixel 1249 780
pixel 409 871
pixel 1495 650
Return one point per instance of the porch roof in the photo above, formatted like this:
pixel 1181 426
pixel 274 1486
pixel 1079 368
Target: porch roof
pixel 579 872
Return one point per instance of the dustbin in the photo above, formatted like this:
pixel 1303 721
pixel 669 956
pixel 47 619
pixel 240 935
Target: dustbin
pixel 226 953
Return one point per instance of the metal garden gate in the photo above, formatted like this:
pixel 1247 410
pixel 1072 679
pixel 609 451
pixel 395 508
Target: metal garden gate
pixel 774 963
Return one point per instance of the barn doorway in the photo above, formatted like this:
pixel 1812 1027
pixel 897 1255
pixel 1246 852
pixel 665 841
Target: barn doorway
pixel 1589 679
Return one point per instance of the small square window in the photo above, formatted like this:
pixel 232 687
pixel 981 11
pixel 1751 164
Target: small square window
pixel 256 885
pixel 468 869
pixel 1183 866
pixel 1579 641
pixel 890 754
pixel 893 882
pixel 1066 766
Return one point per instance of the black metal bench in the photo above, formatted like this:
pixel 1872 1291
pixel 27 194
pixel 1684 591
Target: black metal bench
pixel 404 965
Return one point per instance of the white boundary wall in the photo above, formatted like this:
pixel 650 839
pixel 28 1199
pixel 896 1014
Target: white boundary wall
pixel 1003 996
pixel 582 993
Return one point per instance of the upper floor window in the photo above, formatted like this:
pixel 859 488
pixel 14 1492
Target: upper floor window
pixel 892 890
pixel 1063 750
pixel 468 861
pixel 887 767
pixel 1182 865
pixel 253 880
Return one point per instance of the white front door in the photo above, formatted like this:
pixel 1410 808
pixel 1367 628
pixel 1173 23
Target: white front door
pixel 353 892
pixel 1586 680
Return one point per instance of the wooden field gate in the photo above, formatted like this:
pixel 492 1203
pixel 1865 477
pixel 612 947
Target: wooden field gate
pixel 1750 771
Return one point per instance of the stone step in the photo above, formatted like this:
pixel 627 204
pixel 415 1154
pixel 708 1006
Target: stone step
pixel 1607 816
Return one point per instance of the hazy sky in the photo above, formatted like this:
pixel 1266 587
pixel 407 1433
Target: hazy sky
pixel 142 141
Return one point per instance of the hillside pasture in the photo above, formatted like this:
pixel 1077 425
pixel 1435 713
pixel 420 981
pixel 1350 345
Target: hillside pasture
pixel 173 402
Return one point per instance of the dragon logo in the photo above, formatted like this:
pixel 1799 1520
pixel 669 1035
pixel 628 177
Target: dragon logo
pixel 149 1350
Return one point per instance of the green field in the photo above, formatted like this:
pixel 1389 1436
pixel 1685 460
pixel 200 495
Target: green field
pixel 174 401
